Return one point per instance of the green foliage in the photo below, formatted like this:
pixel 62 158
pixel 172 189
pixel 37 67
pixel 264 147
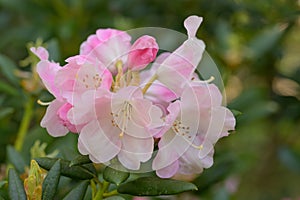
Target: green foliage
pixel 15 186
pixel 79 160
pixel 153 186
pixel 83 172
pixel 7 68
pixel 16 159
pixel 78 192
pixel 115 176
pixel 51 181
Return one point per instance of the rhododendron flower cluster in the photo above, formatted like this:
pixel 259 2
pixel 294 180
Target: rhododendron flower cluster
pixel 129 104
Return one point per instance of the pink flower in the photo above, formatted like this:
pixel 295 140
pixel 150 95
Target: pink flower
pixel 55 120
pixel 108 46
pixel 101 37
pixel 142 52
pixel 122 128
pixel 178 67
pixel 193 126
pixel 120 110
pixel 81 74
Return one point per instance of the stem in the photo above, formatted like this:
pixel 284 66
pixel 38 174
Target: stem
pixel 102 190
pixel 24 123
pixel 152 79
pixel 112 193
pixel 105 186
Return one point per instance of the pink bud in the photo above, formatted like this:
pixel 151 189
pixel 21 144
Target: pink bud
pixel 142 52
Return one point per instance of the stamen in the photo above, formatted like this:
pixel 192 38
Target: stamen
pixel 152 79
pixel 211 79
pixel 183 131
pixel 119 65
pixel 122 117
pixel 43 103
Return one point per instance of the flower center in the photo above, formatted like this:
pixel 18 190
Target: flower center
pixel 184 131
pixel 91 82
pixel 122 117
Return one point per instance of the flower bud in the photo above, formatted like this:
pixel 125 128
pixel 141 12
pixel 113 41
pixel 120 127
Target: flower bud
pixel 142 52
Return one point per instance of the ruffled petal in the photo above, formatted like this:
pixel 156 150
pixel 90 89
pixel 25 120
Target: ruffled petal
pixel 114 49
pixel 51 120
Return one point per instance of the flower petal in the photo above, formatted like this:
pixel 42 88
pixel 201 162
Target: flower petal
pixel 95 141
pixel 40 52
pixel 135 150
pixel 51 120
pixel 192 23
pixel 47 72
pixel 169 171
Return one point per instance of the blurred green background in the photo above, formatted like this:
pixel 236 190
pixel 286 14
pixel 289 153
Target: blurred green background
pixel 256 45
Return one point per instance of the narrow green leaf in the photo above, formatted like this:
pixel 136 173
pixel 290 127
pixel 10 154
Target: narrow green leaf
pixel 6 88
pixel 15 186
pixel 51 181
pixel 82 172
pixel 8 67
pixel 79 160
pixel 154 186
pixel 115 176
pixel 78 192
pixel 16 159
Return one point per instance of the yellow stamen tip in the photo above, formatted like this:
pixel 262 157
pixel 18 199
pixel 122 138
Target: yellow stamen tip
pixel 121 134
pixel 43 103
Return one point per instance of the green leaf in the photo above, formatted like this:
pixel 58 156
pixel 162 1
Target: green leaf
pixel 82 172
pixel 6 88
pixel 8 67
pixel 16 159
pixel 115 176
pixel 15 186
pixel 79 160
pixel 78 192
pixel 154 186
pixel 51 181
